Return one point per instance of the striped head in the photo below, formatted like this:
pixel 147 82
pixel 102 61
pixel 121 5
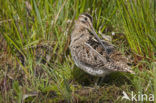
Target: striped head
pixel 85 20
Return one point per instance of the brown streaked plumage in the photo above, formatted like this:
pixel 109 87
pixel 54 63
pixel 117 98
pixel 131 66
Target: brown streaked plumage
pixel 92 55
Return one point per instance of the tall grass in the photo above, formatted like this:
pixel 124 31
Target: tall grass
pixel 36 65
pixel 138 19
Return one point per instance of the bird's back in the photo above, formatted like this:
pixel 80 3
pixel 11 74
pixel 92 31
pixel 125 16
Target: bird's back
pixel 91 55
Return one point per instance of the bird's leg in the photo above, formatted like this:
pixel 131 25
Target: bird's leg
pixel 101 80
pixel 96 81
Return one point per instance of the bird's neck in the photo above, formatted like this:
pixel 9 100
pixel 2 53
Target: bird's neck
pixel 80 34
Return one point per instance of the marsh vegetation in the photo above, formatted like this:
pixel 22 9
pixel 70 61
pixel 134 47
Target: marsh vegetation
pixel 35 61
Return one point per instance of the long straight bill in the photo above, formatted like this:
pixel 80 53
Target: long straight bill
pixel 94 33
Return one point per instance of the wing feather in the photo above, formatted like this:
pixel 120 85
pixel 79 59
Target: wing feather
pixel 92 54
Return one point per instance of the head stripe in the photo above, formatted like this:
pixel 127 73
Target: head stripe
pixel 87 15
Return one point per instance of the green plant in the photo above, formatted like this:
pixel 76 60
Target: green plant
pixel 35 63
pixel 138 20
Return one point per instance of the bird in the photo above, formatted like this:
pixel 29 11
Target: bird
pixel 91 54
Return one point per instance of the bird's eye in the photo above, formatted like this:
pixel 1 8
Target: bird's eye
pixel 86 19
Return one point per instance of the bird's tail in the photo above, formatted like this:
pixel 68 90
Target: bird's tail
pixel 129 70
pixel 122 67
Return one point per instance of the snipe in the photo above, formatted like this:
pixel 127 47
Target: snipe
pixel 92 55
